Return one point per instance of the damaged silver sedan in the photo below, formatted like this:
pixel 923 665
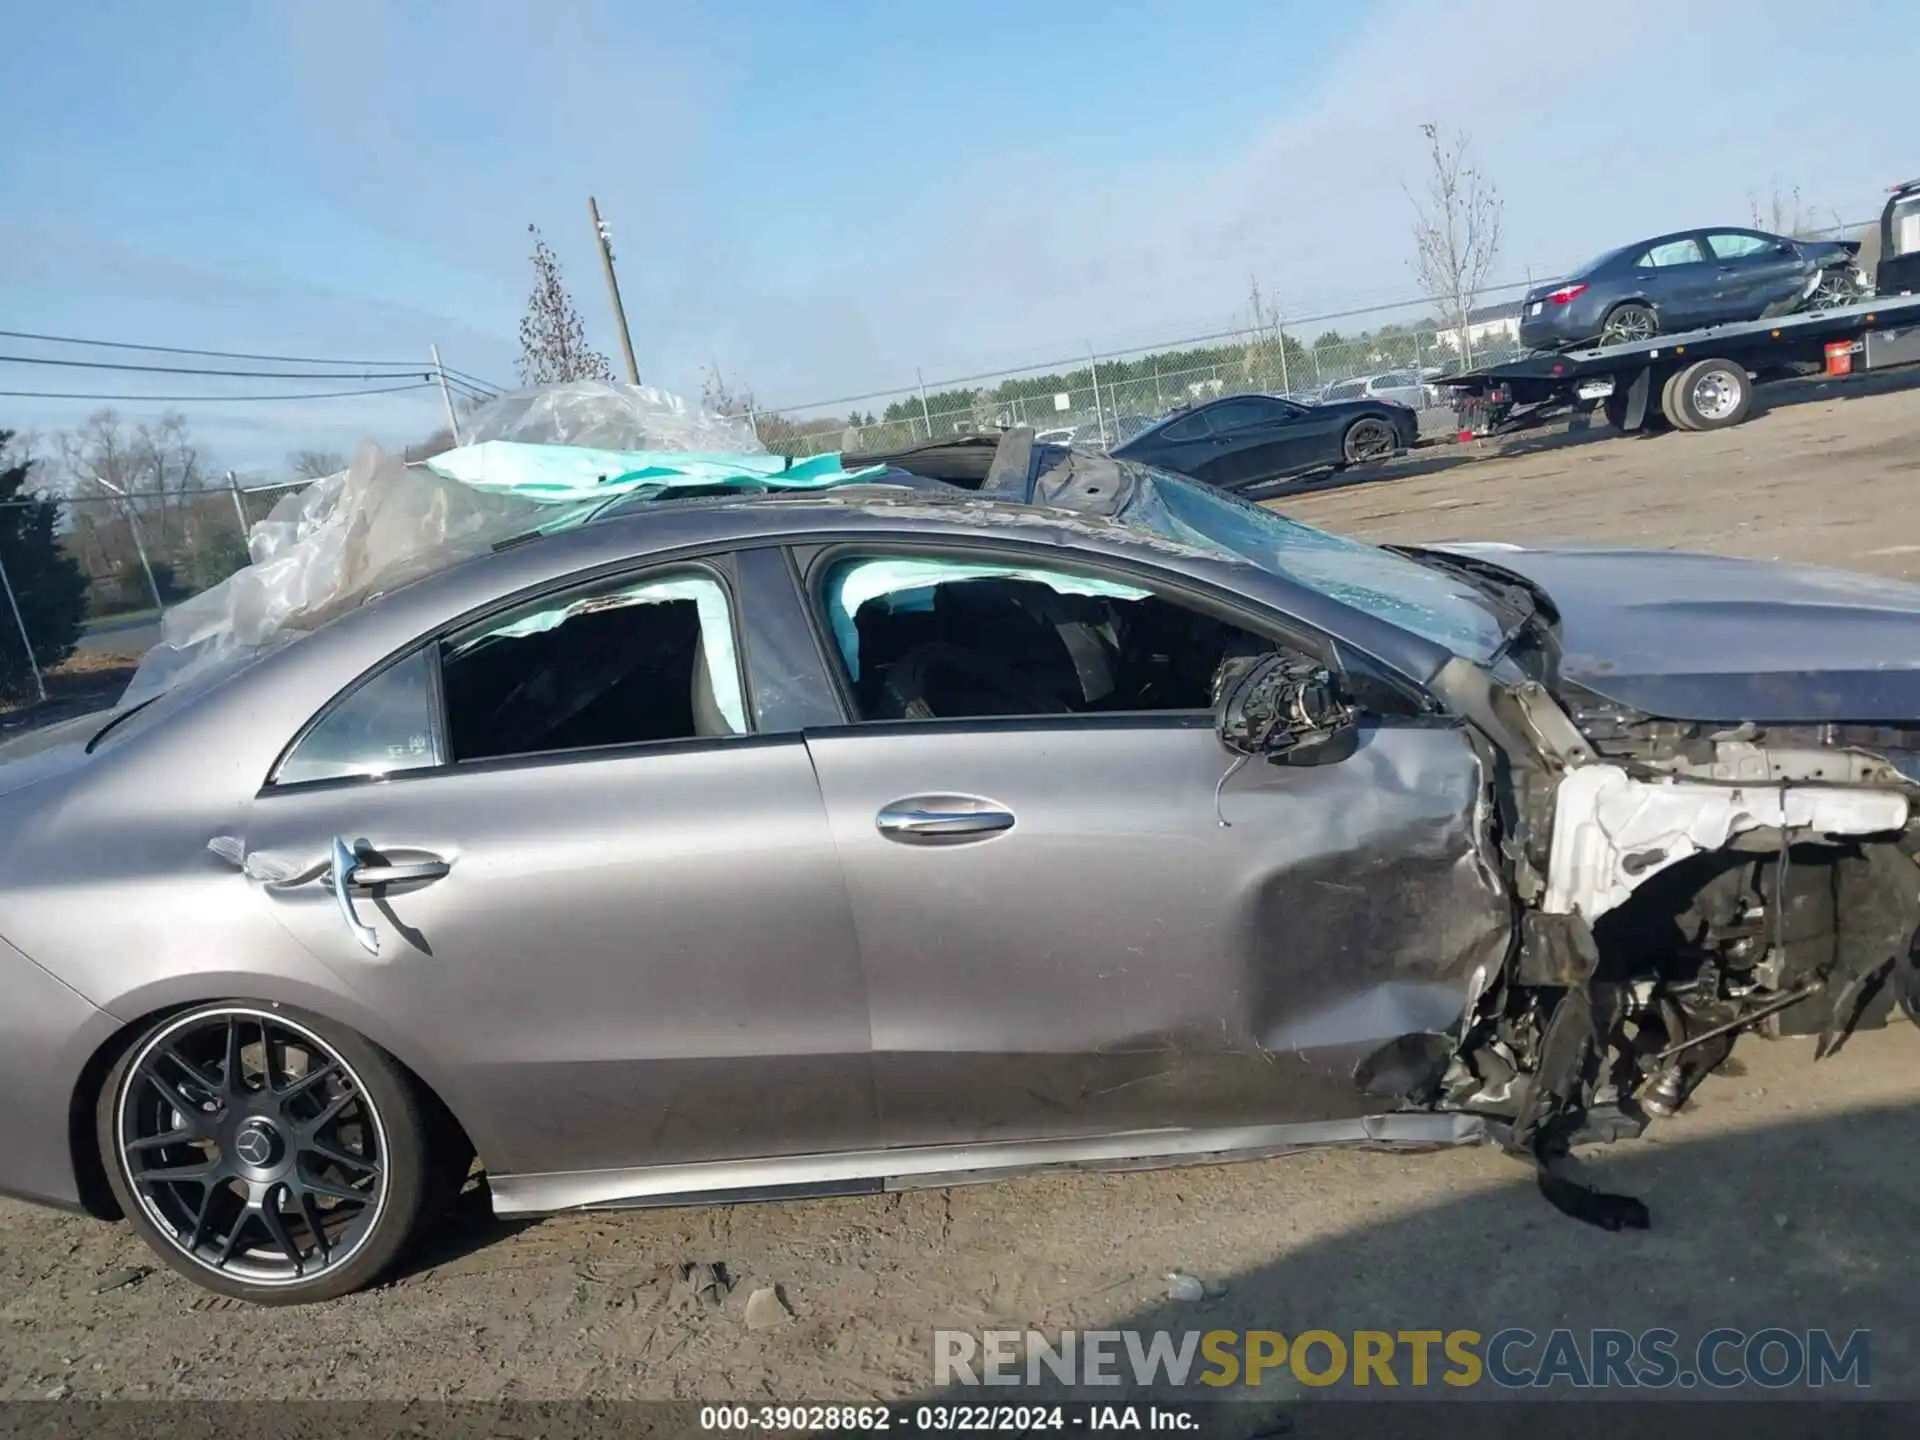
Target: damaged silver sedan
pixel 1026 808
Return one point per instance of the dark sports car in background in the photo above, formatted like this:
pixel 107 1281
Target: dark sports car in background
pixel 1033 808
pixel 1684 281
pixel 1241 441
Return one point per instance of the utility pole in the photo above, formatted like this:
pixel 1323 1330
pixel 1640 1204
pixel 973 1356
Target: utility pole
pixel 604 238
pixel 440 373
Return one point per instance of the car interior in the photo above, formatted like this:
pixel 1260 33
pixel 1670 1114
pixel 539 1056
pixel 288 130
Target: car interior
pixel 612 670
pixel 1013 644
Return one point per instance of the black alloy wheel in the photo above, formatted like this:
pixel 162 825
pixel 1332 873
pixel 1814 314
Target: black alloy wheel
pixel 1369 440
pixel 274 1158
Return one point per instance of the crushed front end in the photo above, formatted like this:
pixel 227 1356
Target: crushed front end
pixel 1679 884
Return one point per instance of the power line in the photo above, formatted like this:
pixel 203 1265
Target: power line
pixel 231 374
pixel 468 388
pixel 205 354
pixel 395 365
pixel 474 380
pixel 211 399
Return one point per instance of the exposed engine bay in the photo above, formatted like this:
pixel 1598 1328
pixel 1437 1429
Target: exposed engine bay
pixel 1680 884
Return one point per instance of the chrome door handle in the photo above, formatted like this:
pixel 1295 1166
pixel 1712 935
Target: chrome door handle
pixel 365 877
pixel 348 873
pixel 933 818
pixel 345 865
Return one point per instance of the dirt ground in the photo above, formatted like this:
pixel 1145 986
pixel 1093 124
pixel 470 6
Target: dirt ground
pixel 1782 1197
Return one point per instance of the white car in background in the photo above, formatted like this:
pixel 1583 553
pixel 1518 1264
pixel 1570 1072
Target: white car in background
pixel 1400 386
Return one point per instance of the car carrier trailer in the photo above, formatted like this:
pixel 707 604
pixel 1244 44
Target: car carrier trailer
pixel 1704 379
pixel 1695 380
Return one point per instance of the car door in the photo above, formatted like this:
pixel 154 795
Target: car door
pixel 1676 276
pixel 1184 444
pixel 1076 914
pixel 1755 271
pixel 1258 438
pixel 610 909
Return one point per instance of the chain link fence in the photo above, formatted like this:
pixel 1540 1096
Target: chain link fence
pixel 1108 400
pixel 86 577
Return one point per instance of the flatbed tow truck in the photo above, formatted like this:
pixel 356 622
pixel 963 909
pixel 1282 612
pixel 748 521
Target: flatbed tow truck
pixel 1704 379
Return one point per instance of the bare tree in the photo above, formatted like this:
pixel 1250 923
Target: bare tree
pixel 717 397
pixel 142 508
pixel 315 464
pixel 553 339
pixel 1784 214
pixel 1265 358
pixel 1456 233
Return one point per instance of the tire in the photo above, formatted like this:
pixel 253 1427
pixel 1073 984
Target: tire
pixel 1630 321
pixel 1367 440
pixel 1711 395
pixel 1670 406
pixel 281 1189
pixel 1838 285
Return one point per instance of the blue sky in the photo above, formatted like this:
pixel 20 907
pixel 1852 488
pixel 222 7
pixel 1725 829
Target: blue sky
pixel 825 196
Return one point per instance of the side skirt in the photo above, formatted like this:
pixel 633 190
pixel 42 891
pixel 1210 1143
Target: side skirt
pixel 918 1167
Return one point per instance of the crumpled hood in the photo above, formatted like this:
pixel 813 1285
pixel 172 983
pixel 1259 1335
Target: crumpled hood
pixel 1708 637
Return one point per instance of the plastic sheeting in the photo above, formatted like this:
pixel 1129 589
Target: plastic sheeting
pixel 562 473
pixel 600 415
pixel 381 523
pixel 321 551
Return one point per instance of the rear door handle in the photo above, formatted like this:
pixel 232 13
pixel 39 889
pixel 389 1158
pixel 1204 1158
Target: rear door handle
pixel 348 873
pixel 365 877
pixel 937 819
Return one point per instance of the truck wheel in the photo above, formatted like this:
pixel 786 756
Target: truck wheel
pixel 1670 405
pixel 1711 395
pixel 1626 322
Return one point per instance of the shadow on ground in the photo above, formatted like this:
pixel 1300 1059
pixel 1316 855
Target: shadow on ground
pixel 468 1226
pixel 1799 1225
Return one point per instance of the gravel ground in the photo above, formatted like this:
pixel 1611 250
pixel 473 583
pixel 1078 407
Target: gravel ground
pixel 1782 1197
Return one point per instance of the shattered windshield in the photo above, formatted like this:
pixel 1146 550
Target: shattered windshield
pixel 1432 604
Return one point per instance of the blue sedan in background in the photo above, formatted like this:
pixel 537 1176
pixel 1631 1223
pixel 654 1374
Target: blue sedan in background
pixel 1684 281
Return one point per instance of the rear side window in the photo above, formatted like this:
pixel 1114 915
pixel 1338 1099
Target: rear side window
pixel 1188 427
pixel 619 664
pixel 383 726
pixel 1347 390
pixel 1671 252
pixel 1248 411
pixel 614 665
pixel 1730 245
